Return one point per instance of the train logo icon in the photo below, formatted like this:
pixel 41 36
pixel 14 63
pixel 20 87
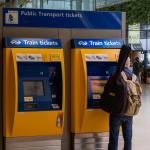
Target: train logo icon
pixel 11 17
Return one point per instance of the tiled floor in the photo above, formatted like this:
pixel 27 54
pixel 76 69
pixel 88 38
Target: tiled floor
pixel 141 124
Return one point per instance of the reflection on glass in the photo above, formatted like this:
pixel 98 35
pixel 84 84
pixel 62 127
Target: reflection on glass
pixel 95 87
pixel 33 88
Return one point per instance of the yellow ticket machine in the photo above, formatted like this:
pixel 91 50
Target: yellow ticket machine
pixel 93 61
pixel 33 87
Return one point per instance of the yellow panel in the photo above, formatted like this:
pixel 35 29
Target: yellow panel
pixel 85 120
pixel 38 123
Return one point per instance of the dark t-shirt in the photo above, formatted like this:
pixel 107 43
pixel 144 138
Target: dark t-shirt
pixel 136 68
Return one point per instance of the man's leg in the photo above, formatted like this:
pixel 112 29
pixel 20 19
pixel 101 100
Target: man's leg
pixel 127 132
pixel 114 125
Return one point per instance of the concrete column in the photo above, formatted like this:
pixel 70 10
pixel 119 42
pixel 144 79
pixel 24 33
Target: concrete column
pixel 1 84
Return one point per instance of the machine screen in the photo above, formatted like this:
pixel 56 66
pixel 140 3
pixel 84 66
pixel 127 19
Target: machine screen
pixel 39 86
pixel 98 74
pixel 95 87
pixel 33 88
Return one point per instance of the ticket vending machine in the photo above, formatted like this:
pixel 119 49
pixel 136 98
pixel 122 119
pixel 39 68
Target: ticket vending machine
pixel 33 88
pixel 93 62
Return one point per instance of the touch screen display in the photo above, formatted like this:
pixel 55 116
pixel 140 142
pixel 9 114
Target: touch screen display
pixel 97 75
pixel 33 88
pixel 95 87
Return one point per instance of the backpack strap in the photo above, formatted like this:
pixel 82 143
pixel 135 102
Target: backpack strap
pixel 124 76
pixel 134 77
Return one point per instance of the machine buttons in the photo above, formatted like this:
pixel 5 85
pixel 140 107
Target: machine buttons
pixel 96 96
pixel 29 106
pixel 55 106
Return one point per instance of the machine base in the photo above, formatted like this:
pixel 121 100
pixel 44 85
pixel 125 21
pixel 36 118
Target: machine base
pixel 93 141
pixel 33 143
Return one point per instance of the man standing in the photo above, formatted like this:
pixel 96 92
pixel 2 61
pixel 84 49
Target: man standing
pixel 115 102
pixel 137 66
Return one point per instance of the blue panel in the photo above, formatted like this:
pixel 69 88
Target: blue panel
pixel 32 42
pixel 97 43
pixel 50 76
pixel 42 102
pixel 98 73
pixel 19 17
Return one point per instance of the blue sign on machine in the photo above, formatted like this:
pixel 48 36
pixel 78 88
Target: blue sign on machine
pixel 32 42
pixel 19 17
pixel 97 43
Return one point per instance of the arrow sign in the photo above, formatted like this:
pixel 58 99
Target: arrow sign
pixel 14 42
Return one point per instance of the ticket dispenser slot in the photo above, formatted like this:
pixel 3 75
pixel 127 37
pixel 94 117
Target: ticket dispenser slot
pixel 34 88
pixel 92 62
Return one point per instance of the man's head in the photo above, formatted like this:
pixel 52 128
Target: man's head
pixel 124 54
pixel 127 64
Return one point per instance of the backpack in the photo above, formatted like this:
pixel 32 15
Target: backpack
pixel 134 92
pixel 114 97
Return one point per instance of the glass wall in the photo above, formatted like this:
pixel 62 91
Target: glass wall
pixel 145 37
pixel 139 35
pixel 87 5
pixel 57 4
pixel 1 2
pixel 108 3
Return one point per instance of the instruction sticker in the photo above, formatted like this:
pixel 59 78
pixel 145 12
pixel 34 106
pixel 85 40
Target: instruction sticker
pixel 28 57
pixel 96 96
pixel 28 99
pixel 96 57
pixel 55 57
pixel 55 106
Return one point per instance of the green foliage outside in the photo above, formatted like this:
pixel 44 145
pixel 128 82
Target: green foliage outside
pixel 14 3
pixel 137 11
